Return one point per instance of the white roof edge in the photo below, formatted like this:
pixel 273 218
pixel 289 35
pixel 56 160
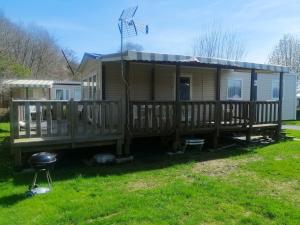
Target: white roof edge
pixel 160 57
pixel 35 83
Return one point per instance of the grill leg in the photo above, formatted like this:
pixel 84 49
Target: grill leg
pixel 48 178
pixel 34 179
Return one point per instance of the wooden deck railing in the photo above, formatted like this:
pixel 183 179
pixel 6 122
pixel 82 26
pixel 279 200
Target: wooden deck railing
pixel 266 112
pixel 152 116
pixel 197 114
pixel 148 117
pixel 84 119
pixel 234 113
pixel 68 119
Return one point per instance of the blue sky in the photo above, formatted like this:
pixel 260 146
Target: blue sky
pixel 91 25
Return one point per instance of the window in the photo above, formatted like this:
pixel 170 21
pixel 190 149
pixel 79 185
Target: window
pixel 275 89
pixel 59 94
pixel 62 94
pixel 77 94
pixel 90 88
pixel 185 88
pixel 94 87
pixel 234 89
pixel 67 96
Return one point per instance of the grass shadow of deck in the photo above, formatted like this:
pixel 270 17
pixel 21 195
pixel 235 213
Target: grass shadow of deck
pixel 72 167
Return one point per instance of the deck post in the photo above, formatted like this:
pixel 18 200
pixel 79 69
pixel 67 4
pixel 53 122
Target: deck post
pixel 217 108
pixel 253 98
pixel 12 123
pixel 99 82
pixel 72 117
pixel 218 83
pixel 177 108
pixel 103 81
pixel 280 106
pixel 127 135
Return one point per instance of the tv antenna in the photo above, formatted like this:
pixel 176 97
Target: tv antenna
pixel 128 27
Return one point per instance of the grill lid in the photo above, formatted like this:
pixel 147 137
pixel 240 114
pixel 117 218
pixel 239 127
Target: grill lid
pixel 42 158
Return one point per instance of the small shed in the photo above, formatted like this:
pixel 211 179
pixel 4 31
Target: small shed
pixel 44 89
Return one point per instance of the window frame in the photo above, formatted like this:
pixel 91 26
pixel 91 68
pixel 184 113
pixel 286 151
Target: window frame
pixel 191 84
pixel 272 87
pixel 59 90
pixel 228 86
pixel 77 90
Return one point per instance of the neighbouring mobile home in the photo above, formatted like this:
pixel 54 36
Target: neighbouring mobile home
pixel 139 94
pixel 43 89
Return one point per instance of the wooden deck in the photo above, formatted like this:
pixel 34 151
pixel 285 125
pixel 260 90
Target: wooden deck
pixel 51 125
pixel 148 118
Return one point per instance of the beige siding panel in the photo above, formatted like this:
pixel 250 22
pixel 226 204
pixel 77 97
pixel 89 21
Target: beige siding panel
pixel 203 82
pixel 264 86
pixel 289 103
pixel 230 74
pixel 264 92
pixel 114 84
pixel 140 81
pixel 209 85
pixel 165 83
pixel 90 69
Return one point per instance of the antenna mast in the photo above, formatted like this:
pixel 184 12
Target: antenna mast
pixel 129 28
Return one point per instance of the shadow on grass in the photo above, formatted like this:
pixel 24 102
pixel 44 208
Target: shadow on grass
pixel 145 158
pixel 11 199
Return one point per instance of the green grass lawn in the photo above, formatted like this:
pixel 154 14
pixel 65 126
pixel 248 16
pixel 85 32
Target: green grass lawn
pixel 293 133
pixel 236 186
pixel 291 122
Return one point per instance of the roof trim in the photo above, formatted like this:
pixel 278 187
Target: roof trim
pixel 190 60
pixel 37 83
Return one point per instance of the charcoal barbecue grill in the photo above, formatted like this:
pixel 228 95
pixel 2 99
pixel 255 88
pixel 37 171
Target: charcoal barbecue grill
pixel 41 162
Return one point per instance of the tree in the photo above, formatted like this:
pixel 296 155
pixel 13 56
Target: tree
pixel 217 43
pixel 34 48
pixel 287 52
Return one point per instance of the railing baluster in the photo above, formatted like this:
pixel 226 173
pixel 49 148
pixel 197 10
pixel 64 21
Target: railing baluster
pixel 192 115
pixel 110 124
pixel 85 117
pixel 262 113
pixel 59 118
pixel 235 113
pixel 27 119
pixel 271 112
pixel 274 112
pixel 75 116
pixel 204 114
pixel 139 117
pixel 94 119
pixel 161 116
pixel 14 111
pixel 266 113
pixel 241 111
pixel 49 119
pixel 167 116
pixel 120 124
pixel 209 114
pixel 198 115
pixel 146 125
pixel 186 112
pixel 38 119
pixel 103 117
pixel 154 116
